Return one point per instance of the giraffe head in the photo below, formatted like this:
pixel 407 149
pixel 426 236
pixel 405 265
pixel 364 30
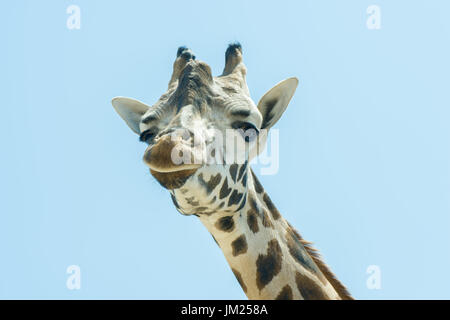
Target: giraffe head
pixel 204 131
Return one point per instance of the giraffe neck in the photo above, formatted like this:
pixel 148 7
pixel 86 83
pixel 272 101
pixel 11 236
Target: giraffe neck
pixel 268 257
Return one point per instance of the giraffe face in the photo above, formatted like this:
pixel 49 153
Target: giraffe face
pixel 202 133
pixel 198 124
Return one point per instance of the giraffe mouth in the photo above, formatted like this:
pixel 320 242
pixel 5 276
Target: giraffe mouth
pixel 174 179
pixel 169 173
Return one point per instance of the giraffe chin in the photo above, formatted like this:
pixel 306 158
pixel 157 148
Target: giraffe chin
pixel 173 180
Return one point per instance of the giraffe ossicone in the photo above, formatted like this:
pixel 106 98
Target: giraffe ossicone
pixel 201 135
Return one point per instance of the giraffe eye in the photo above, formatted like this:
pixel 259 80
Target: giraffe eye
pixel 247 130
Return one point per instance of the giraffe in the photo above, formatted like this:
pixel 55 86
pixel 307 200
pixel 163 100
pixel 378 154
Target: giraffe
pixel 268 257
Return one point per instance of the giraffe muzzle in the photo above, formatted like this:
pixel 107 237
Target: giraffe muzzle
pixel 171 161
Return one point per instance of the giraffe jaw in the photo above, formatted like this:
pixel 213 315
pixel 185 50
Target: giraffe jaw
pixel 173 179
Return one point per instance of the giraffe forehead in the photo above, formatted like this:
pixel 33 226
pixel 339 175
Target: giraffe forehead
pixel 212 98
pixel 217 113
pixel 242 107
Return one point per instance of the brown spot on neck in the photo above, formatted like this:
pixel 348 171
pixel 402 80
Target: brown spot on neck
pixel 242 170
pixel 253 203
pixel 239 245
pixel 233 171
pixel 273 210
pixel 285 293
pixel 258 187
pixel 252 220
pixel 235 198
pixel 225 224
pixel 268 265
pixel 309 289
pixel 266 221
pixel 224 190
pixel 211 184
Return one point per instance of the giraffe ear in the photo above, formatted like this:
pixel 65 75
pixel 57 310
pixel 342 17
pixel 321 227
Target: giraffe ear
pixel 275 101
pixel 130 110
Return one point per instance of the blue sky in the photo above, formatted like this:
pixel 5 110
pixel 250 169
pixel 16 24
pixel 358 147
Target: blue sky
pixel 364 162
